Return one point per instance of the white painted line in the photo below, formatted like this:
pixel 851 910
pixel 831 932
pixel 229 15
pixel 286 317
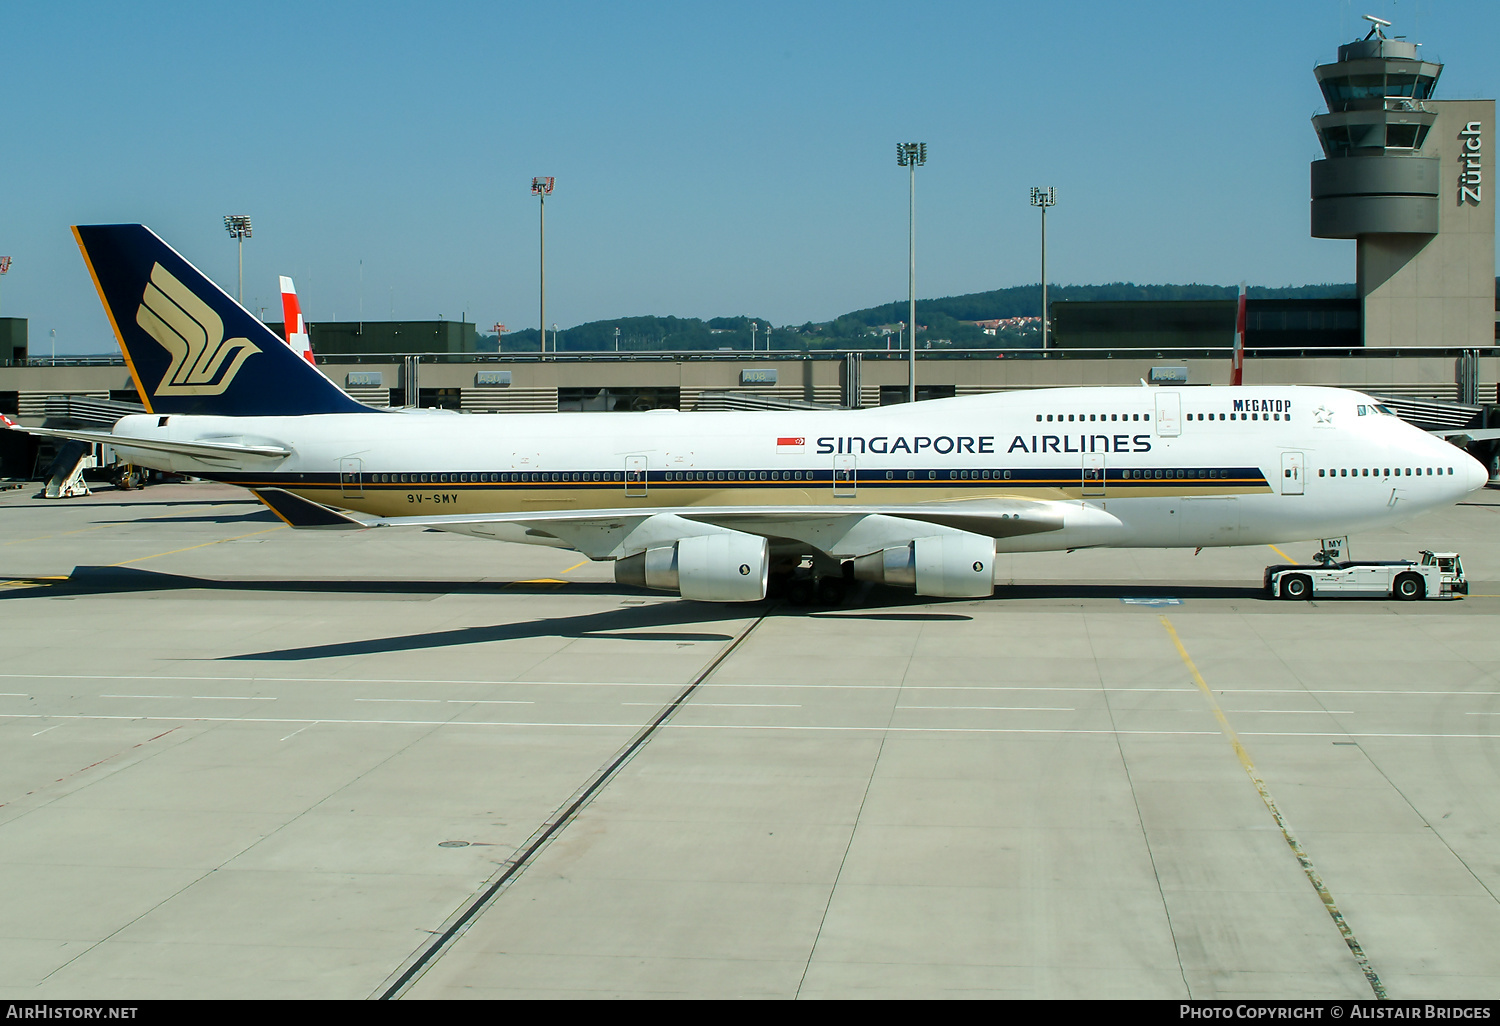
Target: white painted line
pixel 44 730
pixel 723 705
pixel 1339 735
pixel 994 708
pixel 489 701
pixel 1300 712
pixel 720 684
pixel 432 700
pixel 258 679
pixel 142 696
pixel 235 698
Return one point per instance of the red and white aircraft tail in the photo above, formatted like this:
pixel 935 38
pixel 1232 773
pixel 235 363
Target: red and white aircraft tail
pixel 296 329
pixel 1237 368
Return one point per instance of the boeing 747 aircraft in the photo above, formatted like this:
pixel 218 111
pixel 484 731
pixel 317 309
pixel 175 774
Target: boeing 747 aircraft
pixel 713 506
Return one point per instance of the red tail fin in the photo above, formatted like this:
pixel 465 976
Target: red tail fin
pixel 1237 369
pixel 296 330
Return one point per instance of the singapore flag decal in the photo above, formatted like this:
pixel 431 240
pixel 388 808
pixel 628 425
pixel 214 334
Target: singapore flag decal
pixel 790 444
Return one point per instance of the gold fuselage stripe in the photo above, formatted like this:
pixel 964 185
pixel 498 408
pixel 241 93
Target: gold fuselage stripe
pixel 419 500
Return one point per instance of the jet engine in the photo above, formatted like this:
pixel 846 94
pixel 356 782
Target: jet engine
pixel 727 566
pixel 959 565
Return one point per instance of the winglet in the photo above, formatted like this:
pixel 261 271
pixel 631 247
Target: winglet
pixel 300 513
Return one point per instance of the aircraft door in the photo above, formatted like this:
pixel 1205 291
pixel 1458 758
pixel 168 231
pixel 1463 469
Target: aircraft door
pixel 845 477
pixel 1093 475
pixel 352 478
pixel 1292 471
pixel 1168 414
pixel 635 477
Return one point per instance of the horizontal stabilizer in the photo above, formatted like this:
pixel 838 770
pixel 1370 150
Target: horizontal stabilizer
pixel 302 513
pixel 230 451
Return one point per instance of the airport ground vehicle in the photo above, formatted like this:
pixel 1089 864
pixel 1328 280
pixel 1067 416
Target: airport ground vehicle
pixel 1438 575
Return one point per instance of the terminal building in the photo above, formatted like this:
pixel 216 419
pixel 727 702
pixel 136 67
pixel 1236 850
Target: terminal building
pixel 1402 175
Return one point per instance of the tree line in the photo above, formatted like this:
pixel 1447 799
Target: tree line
pixel 942 321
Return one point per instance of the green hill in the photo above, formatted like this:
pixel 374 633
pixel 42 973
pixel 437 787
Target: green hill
pixel 943 320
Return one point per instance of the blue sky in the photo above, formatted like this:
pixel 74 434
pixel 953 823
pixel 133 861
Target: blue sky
pixel 711 158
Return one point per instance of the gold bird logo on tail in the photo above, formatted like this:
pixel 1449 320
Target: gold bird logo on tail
pixel 204 362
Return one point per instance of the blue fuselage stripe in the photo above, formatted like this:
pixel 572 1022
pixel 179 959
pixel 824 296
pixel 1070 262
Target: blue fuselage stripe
pixel 1176 477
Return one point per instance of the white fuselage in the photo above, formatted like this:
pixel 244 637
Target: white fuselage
pixel 1124 466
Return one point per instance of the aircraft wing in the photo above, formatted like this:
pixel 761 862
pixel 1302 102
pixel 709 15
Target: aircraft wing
pixel 613 533
pixel 1461 435
pixel 238 453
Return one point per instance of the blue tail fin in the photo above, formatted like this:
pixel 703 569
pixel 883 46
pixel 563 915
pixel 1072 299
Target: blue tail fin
pixel 189 346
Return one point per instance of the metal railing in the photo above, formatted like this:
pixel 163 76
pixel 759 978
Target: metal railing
pixel 89 360
pixel 743 356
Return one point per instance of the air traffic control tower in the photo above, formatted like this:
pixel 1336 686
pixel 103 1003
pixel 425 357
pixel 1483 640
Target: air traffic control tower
pixel 1403 175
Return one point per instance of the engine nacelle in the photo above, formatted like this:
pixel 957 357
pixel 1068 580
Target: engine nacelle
pixel 945 566
pixel 727 566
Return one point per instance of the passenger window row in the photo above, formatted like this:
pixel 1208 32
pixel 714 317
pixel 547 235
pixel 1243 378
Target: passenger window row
pixel 1376 472
pixel 739 475
pixel 504 478
pixel 1190 473
pixel 1070 418
pixel 949 475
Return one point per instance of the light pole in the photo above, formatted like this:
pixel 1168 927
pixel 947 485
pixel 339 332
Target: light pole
pixel 541 188
pixel 238 227
pixel 1044 198
pixel 617 340
pixel 912 155
pixel 754 327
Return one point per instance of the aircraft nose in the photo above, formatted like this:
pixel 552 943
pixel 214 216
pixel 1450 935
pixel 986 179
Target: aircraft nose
pixel 1476 474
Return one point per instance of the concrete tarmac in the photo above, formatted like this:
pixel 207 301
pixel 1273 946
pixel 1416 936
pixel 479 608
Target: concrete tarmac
pixel 238 761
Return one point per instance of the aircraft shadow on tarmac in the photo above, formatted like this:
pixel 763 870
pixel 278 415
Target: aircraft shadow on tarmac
pixel 139 503
pixel 87 581
pixel 627 623
pixel 255 516
pixel 115 580
pixel 632 623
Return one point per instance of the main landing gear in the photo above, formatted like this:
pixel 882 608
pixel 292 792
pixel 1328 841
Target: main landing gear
pixel 810 583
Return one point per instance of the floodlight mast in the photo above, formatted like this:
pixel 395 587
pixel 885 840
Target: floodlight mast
pixel 238 227
pixel 1044 198
pixel 911 155
pixel 541 188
